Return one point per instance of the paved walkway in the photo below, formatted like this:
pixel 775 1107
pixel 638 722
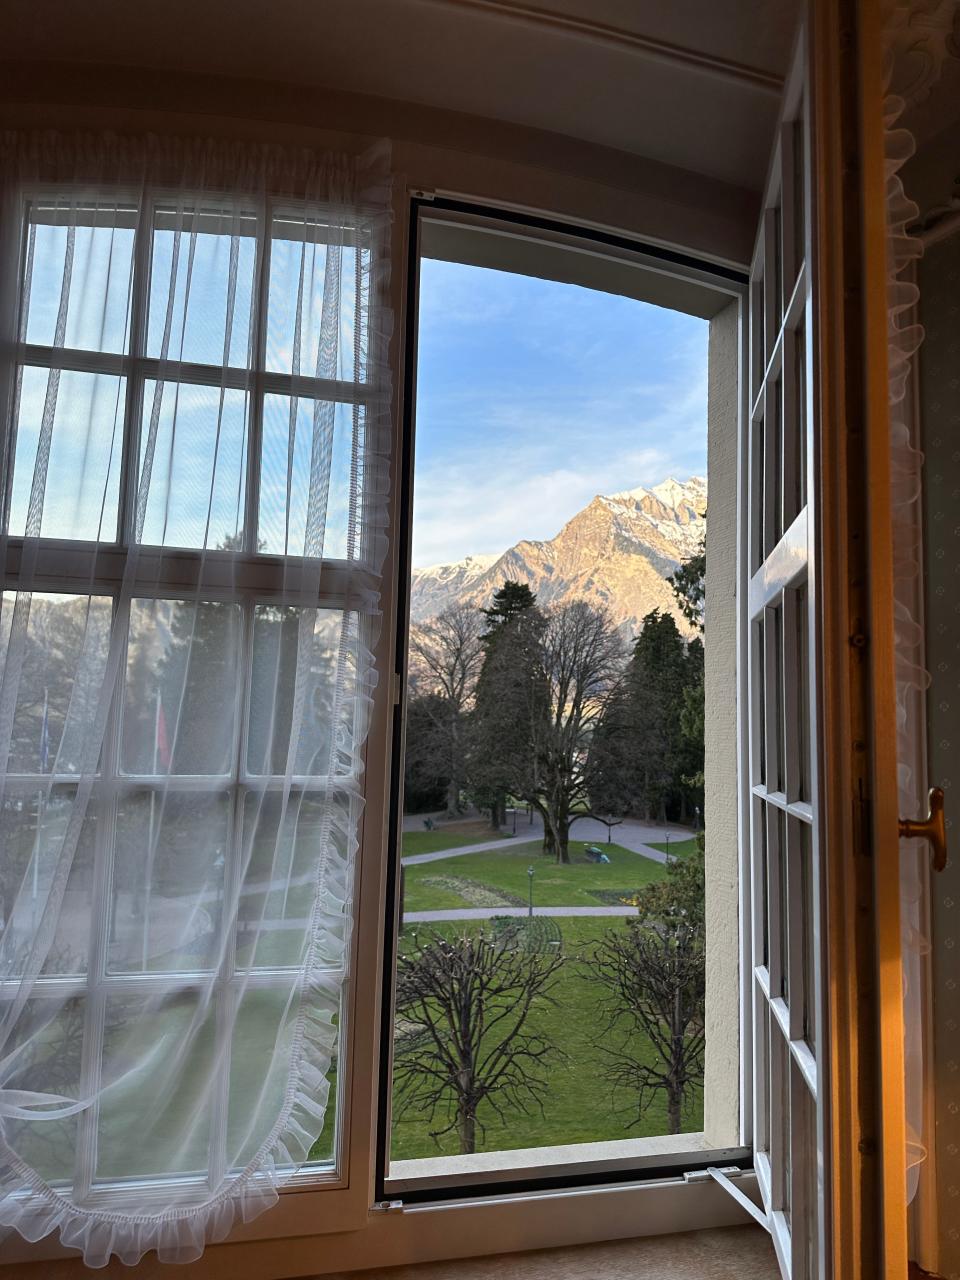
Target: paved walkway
pixel 412 859
pixel 629 835
pixel 488 913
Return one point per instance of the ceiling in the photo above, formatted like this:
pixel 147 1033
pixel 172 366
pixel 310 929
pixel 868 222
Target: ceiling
pixel 692 83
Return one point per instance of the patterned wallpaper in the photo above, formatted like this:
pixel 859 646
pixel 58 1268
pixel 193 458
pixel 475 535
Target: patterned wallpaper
pixel 939 279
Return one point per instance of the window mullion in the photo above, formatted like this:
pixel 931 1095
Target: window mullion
pixel 140 292
pixel 259 354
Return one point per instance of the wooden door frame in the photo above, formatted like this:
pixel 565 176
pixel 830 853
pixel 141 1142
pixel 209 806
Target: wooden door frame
pixel 865 1161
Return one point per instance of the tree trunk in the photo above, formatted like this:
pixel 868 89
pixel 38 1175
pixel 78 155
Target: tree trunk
pixel 495 812
pixel 674 1101
pixel 563 843
pixel 453 797
pixel 467 1131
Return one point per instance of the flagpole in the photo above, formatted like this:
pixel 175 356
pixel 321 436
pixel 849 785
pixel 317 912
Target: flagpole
pixel 44 750
pixel 153 800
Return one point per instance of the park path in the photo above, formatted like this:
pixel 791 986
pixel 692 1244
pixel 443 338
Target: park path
pixel 440 855
pixel 488 913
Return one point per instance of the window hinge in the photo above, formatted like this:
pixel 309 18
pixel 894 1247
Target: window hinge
pixel 725 1178
pixel 388 1206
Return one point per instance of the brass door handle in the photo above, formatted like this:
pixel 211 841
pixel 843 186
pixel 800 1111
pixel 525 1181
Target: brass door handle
pixel 932 828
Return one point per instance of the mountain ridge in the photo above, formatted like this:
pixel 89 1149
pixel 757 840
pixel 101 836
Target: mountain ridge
pixel 617 551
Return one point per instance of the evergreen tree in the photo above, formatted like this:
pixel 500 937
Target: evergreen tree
pixel 637 753
pixel 512 598
pixel 692 727
pixel 508 699
pixel 689 585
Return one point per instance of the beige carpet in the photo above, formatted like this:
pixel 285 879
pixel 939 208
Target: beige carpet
pixel 733 1253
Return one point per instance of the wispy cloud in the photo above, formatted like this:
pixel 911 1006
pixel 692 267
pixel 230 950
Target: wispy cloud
pixel 533 397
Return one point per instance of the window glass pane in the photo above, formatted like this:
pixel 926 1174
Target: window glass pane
pixel 168 876
pixel 202 285
pixel 803 694
pixel 783 903
pixel 773 466
pixel 51 1064
pixel 798 186
pixel 181 687
pixel 304 442
pixel 762 1076
pixel 265 1025
pixel 312 311
pixel 759 709
pixel 799 342
pixel 33 825
pixel 79 496
pixel 197 477
pixel 157 1046
pixel 98 278
pixel 758 487
pixel 807 940
pixel 295 654
pixel 805 1218
pixel 779 300
pixel 763 858
pixel 281 836
pixel 65 652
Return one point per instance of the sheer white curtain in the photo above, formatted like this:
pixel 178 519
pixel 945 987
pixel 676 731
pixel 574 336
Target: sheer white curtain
pixel 919 35
pixel 196 435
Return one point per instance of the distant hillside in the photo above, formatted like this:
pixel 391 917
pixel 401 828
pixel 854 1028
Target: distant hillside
pixel 617 551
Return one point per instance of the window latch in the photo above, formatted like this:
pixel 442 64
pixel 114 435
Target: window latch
pixel 933 828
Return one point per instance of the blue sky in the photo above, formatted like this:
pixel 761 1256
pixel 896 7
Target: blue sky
pixel 533 396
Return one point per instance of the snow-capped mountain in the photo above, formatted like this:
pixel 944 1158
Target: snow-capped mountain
pixel 617 551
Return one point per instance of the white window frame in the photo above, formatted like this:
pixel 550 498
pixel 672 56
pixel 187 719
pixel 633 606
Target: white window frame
pixel 536 245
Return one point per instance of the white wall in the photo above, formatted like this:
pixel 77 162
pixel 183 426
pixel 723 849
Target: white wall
pixel 722 1069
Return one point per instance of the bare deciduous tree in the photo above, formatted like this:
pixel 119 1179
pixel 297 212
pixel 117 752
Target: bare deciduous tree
pixel 653 975
pixel 446 654
pixel 465 1006
pixel 581 657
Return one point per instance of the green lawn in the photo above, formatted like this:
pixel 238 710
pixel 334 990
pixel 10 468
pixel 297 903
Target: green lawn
pixel 678 847
pixel 452 837
pixel 460 882
pixel 580 1104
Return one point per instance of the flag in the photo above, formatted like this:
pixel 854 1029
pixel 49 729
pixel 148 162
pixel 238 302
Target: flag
pixel 44 736
pixel 161 749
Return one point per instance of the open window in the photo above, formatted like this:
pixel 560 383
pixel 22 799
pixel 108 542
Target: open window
pixel 780 691
pixel 567 1004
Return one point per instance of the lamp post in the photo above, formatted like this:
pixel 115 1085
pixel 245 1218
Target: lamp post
pixel 668 846
pixel 696 810
pixel 530 874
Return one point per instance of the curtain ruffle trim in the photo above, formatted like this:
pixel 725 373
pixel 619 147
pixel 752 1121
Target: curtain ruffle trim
pixel 180 1233
pixel 101 1228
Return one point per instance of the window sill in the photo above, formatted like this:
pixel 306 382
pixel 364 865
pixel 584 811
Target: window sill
pixel 305 1236
pixel 530 1162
